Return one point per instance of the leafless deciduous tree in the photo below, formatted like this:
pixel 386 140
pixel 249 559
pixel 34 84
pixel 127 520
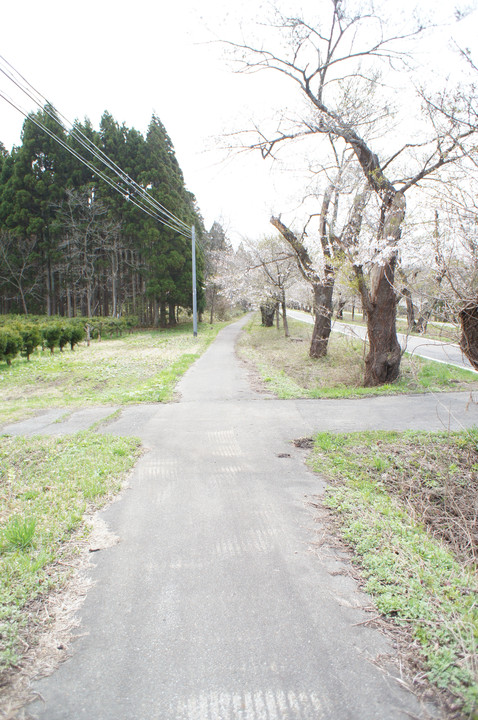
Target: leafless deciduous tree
pixel 456 258
pixel 90 238
pixel 276 269
pixel 333 61
pixel 321 272
pixel 17 259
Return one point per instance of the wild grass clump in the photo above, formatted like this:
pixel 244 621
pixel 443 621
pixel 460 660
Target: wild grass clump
pixel 286 369
pixel 406 505
pixel 17 534
pixel 46 486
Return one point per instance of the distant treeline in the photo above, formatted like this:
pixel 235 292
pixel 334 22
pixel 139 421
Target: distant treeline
pixel 71 245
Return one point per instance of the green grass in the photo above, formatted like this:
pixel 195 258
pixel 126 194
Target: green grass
pixel 46 485
pixel 141 367
pixel 386 498
pixel 287 371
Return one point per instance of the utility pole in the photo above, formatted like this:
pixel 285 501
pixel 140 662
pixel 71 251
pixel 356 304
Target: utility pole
pixel 195 309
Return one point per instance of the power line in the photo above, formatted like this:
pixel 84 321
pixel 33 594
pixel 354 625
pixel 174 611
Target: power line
pixel 144 202
pixel 95 170
pixel 83 140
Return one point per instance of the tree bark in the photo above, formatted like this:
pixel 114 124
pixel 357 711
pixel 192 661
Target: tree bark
pixel 48 289
pixel 322 289
pixel 469 331
pixel 114 282
pixel 410 308
pixel 267 314
pixel 284 315
pixel 155 313
pixel 382 364
pixel 425 314
pixel 323 293
pixel 162 314
pixel 340 308
pixel 89 299
pixel 172 314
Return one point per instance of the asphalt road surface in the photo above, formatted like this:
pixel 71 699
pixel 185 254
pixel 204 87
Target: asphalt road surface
pixel 219 602
pixel 437 350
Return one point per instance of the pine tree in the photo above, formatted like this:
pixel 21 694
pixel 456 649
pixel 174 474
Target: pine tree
pixel 35 186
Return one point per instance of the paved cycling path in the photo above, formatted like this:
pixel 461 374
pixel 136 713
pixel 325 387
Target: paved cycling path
pixel 219 603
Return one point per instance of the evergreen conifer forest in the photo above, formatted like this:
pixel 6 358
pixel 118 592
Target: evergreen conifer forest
pixel 71 245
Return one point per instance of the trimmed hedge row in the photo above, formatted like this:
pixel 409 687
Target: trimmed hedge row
pixel 20 335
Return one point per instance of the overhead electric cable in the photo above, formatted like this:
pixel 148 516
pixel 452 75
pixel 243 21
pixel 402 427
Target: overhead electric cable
pixel 145 202
pixel 75 132
pixel 95 170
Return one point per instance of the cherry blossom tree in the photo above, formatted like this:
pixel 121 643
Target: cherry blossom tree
pixel 337 61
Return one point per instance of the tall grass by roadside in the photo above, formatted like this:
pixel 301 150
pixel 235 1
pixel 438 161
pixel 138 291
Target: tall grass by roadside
pixel 46 486
pixel 287 371
pixel 406 505
pixel 137 368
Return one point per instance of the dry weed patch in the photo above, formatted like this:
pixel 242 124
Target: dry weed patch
pixel 437 480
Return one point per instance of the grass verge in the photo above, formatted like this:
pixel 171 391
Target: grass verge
pixel 406 505
pixel 141 367
pixel 47 484
pixel 287 371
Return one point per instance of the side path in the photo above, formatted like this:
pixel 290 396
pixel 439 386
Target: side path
pixel 219 603
pixel 440 351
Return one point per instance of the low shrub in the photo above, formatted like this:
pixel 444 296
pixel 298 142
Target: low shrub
pixel 10 345
pixel 51 335
pixel 31 339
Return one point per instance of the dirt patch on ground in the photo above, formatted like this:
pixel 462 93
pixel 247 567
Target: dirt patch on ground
pixel 255 380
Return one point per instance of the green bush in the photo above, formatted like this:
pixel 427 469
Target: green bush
pixel 31 339
pixel 10 345
pixel 77 334
pixel 17 534
pixel 51 335
pixel 65 336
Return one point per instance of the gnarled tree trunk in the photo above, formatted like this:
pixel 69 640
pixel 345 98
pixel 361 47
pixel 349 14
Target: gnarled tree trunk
pixel 410 308
pixel 267 314
pixel 469 331
pixel 322 287
pixel 323 318
pixel 382 364
pixel 339 313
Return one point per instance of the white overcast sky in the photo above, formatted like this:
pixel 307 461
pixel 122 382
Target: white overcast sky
pixel 133 58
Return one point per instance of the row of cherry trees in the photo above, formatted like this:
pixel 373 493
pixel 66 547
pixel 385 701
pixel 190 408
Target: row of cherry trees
pixel 377 145
pixel 71 245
